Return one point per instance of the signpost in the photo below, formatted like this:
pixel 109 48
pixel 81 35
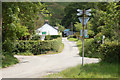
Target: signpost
pixel 43 36
pixel 84 21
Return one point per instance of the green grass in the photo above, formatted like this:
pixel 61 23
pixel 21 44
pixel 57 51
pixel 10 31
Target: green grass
pixel 8 60
pixel 25 53
pixel 73 39
pixel 95 70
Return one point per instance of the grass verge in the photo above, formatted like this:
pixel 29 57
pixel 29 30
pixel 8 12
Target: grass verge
pixel 73 39
pixel 8 60
pixel 25 53
pixel 95 70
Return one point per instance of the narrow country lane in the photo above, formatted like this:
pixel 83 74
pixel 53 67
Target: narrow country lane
pixel 38 66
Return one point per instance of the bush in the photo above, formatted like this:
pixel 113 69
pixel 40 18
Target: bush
pixel 92 45
pixel 71 36
pixel 8 59
pixel 90 48
pixel 25 53
pixel 110 51
pixel 36 37
pixel 38 47
pixel 77 34
pixel 98 38
pixel 56 44
pixel 47 37
pixel 50 37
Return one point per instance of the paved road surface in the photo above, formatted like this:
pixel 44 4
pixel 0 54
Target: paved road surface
pixel 38 66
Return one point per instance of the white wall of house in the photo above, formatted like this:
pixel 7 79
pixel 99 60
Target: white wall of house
pixel 48 29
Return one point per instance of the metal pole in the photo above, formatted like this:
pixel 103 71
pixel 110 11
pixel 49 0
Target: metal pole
pixel 73 28
pixel 83 38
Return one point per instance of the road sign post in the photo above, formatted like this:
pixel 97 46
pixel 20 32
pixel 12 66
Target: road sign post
pixel 43 36
pixel 83 38
pixel 84 21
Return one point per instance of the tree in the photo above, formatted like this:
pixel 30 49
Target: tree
pixel 71 12
pixel 79 27
pixel 60 28
pixel 106 20
pixel 19 19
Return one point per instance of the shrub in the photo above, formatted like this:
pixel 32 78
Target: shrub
pixel 36 37
pixel 56 44
pixel 90 48
pixel 50 37
pixel 110 51
pixel 77 34
pixel 92 45
pixel 71 36
pixel 8 59
pixel 47 37
pixel 98 38
pixel 25 53
pixel 23 46
pixel 39 47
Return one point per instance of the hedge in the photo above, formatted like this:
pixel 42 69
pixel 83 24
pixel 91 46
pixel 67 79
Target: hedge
pixel 50 37
pixel 47 37
pixel 110 51
pixel 37 46
pixel 90 48
pixel 36 37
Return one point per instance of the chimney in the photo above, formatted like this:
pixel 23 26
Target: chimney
pixel 46 22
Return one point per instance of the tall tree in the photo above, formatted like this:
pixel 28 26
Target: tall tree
pixel 106 20
pixel 71 12
pixel 19 20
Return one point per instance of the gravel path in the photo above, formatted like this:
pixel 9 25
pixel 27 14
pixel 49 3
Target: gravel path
pixel 38 66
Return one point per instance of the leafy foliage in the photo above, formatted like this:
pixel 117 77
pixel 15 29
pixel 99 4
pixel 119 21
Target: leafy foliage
pixel 19 20
pixel 78 27
pixel 37 46
pixel 60 27
pixel 105 21
pixel 110 51
pixel 56 12
pixel 8 60
pixel 51 37
pixel 71 12
pixel 36 37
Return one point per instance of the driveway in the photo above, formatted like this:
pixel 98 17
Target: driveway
pixel 38 66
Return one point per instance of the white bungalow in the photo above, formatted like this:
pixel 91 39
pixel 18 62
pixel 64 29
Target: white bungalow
pixel 47 29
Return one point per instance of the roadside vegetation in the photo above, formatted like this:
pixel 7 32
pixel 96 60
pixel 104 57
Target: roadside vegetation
pixel 94 70
pixel 20 26
pixel 20 21
pixel 8 60
pixel 103 22
pixel 48 48
pixel 73 39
